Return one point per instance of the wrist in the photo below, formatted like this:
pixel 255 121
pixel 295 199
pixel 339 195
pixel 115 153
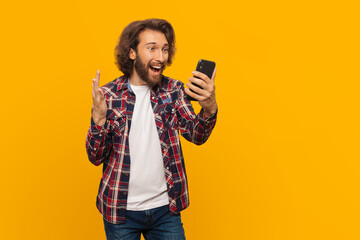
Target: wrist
pixel 99 120
pixel 210 112
pixel 98 115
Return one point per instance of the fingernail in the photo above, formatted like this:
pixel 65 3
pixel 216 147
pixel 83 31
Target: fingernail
pixel 98 71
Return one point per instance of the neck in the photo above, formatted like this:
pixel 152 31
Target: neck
pixel 136 80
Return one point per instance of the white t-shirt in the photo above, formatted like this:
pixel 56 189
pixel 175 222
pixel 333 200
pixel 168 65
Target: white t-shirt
pixel 147 185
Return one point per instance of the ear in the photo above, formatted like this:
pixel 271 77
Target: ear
pixel 132 54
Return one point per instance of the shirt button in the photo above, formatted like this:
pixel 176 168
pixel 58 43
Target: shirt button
pixel 167 168
pixel 94 148
pixel 152 97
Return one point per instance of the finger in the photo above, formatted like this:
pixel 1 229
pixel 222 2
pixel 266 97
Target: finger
pixel 94 87
pixel 97 80
pixel 191 94
pixel 198 81
pixel 201 76
pixel 92 91
pixel 196 89
pixel 213 75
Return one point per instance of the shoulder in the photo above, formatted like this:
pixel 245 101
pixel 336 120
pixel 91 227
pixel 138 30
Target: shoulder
pixel 172 88
pixel 170 84
pixel 112 88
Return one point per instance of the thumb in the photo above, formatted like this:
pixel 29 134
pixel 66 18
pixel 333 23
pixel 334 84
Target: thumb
pixel 101 93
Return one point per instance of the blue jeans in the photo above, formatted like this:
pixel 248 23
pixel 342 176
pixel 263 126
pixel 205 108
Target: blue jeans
pixel 154 224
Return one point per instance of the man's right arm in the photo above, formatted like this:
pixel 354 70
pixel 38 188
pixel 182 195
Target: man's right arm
pixel 98 143
pixel 98 140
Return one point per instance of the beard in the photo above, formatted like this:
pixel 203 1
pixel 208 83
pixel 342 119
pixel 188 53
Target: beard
pixel 143 70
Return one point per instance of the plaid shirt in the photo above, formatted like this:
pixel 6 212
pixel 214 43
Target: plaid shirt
pixel 109 144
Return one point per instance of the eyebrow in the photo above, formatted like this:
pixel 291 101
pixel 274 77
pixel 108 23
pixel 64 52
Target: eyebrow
pixel 149 43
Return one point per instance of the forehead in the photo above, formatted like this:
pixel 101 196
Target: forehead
pixel 152 36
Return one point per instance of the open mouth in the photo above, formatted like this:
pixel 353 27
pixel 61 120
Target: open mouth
pixel 155 69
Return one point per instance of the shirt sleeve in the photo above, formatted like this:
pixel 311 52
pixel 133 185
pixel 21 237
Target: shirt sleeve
pixel 194 128
pixel 98 143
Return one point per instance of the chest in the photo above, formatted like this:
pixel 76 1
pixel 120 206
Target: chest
pixel 127 109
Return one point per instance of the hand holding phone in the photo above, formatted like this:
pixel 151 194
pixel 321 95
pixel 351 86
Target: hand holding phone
pixel 206 67
pixel 205 95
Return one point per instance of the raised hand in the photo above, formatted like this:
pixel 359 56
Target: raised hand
pixel 99 108
pixel 206 95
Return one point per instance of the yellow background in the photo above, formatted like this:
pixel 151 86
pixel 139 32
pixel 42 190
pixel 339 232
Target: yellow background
pixel 282 162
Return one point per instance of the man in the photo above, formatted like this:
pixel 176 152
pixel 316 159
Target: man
pixel 134 133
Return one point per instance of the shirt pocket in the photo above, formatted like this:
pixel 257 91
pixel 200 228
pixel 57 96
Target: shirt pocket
pixel 169 116
pixel 117 119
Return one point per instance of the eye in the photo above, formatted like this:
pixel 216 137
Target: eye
pixel 151 48
pixel 165 49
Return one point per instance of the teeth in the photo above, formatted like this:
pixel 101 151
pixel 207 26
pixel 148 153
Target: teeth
pixel 157 67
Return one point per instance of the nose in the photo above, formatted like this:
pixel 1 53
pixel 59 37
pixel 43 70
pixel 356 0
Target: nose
pixel 160 56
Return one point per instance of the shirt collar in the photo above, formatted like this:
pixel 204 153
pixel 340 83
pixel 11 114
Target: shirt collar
pixel 164 83
pixel 124 83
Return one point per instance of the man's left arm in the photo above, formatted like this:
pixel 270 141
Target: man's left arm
pixel 197 128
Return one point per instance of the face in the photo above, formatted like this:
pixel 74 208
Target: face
pixel 151 56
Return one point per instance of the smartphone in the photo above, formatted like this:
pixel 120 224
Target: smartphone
pixel 206 67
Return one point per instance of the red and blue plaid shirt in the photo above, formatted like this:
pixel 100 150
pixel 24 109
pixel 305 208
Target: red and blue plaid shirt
pixel 109 144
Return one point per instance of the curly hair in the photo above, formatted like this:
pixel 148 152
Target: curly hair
pixel 129 39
